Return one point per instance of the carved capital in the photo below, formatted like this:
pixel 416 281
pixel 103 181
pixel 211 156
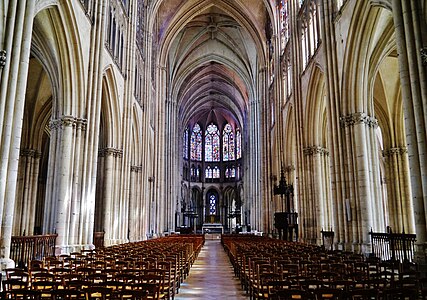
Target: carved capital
pixel 27 152
pixel 54 124
pixel 3 58
pixel 423 52
pixel 313 150
pixel 358 118
pixel 136 169
pixel 81 124
pixel 65 121
pixel 68 121
pixel 110 152
pixel 395 151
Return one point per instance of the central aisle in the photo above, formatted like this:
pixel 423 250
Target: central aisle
pixel 211 276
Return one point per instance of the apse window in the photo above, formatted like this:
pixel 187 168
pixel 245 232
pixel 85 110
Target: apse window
pixel 212 204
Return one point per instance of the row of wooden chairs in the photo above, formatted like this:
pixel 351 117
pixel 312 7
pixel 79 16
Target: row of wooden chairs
pixel 155 267
pixel 270 268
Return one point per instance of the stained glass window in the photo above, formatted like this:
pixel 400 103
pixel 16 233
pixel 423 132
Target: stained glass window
pixel 196 143
pixel 216 172
pixel 212 204
pixel 228 143
pixel 209 172
pixel 212 143
pixel 185 144
pixel 238 144
pixel 233 172
pixel 284 22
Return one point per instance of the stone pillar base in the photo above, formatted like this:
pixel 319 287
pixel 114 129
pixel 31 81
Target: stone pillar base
pixel 420 257
pixel 6 263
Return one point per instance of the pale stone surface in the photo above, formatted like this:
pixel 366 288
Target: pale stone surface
pixel 212 276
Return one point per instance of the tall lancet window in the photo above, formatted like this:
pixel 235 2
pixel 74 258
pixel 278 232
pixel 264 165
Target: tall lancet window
pixel 212 143
pixel 185 144
pixel 284 22
pixel 196 143
pixel 238 144
pixel 228 143
pixel 212 204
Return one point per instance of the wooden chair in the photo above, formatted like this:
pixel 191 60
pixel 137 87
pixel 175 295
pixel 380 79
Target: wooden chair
pixel 132 294
pixel 22 294
pixel 98 293
pixel 328 293
pixel 292 295
pixel 44 287
pixel 14 284
pixel 152 289
pixel 15 273
pixel 362 294
pixel 67 294
pixel 400 293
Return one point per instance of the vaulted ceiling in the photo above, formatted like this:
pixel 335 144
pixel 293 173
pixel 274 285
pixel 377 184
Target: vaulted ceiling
pixel 213 57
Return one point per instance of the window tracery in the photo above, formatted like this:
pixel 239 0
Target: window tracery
pixel 212 143
pixel 196 143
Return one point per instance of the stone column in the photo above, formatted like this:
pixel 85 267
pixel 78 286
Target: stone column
pixel 63 173
pixel 362 205
pixel 316 216
pixel 398 190
pixel 92 113
pixel 113 222
pixel 17 33
pixel 135 209
pixel 25 205
pixel 76 205
pixel 410 29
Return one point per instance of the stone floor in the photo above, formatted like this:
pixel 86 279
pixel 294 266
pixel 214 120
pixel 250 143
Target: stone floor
pixel 212 276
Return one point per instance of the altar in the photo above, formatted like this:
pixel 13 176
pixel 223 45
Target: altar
pixel 212 231
pixel 212 228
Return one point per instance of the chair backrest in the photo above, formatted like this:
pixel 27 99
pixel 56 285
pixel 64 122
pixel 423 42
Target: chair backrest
pixel 66 294
pixel 362 294
pixel 14 284
pixel 23 294
pixel 328 293
pixel 98 292
pixel 293 294
pixel 133 294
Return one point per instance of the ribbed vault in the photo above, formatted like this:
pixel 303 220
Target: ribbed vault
pixel 213 61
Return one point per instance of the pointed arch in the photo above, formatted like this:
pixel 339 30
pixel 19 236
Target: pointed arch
pixel 110 109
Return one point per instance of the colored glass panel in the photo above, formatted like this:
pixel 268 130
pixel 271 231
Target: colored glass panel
pixel 209 172
pixel 238 144
pixel 216 173
pixel 212 204
pixel 212 143
pixel 185 144
pixel 196 143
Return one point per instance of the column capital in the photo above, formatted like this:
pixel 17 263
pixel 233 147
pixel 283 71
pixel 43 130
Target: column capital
pixel 313 150
pixel 110 152
pixel 358 118
pixel 3 58
pixel 423 52
pixel 395 151
pixel 64 121
pixel 30 153
pixel 81 124
pixel 136 169
pixel 68 121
